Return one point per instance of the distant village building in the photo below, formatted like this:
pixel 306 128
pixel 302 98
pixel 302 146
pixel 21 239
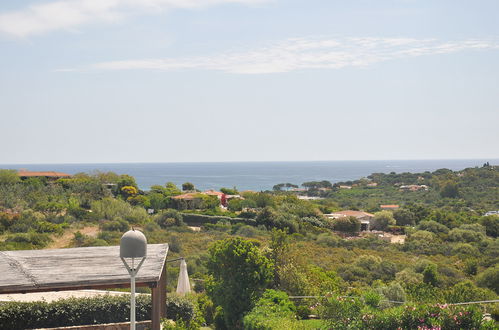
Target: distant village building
pixel 389 207
pixel 345 187
pixel 414 187
pixel 372 184
pixel 23 174
pixel 364 217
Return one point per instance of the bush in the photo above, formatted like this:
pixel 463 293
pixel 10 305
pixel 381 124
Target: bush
pixel 328 239
pixel 73 311
pixel 347 224
pixel 269 310
pixel 179 308
pixel 489 278
pixel 464 235
pixel 30 240
pixel 197 219
pixel 433 227
pixel 169 218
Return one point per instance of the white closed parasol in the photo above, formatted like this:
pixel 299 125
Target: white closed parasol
pixel 183 285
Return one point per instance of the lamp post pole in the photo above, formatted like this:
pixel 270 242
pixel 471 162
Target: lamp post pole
pixel 133 245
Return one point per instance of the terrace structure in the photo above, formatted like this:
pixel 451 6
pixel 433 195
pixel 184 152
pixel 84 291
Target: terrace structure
pixel 82 269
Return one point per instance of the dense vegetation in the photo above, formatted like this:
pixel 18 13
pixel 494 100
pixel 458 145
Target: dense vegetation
pixel 275 240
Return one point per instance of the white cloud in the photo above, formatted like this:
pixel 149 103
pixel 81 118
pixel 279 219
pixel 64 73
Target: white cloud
pixel 68 14
pixel 306 53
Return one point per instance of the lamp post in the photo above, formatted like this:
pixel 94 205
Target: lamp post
pixel 133 245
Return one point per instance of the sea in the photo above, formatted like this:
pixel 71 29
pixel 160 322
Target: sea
pixel 256 176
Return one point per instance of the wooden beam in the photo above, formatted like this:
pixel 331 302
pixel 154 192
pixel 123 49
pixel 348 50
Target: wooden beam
pixel 159 301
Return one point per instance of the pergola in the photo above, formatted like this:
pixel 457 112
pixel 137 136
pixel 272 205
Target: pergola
pixel 83 268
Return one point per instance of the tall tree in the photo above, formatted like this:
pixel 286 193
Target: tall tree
pixel 239 273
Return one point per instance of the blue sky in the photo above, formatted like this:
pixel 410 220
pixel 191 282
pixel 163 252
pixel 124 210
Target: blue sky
pixel 248 80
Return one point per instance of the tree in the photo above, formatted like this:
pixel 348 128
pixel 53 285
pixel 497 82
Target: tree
pixel 404 217
pixel 278 187
pixel 239 273
pixel 491 224
pixel 9 177
pixel 430 275
pixel 187 186
pixel 450 190
pixel 382 220
pixel 489 278
pixel 229 191
pixel 348 224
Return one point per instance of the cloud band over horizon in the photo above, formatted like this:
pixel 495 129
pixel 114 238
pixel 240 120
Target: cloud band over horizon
pixel 303 53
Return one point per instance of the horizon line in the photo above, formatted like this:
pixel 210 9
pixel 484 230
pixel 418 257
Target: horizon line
pixel 253 161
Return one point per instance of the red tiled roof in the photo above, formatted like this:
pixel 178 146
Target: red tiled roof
pixel 50 174
pixel 189 196
pixel 391 206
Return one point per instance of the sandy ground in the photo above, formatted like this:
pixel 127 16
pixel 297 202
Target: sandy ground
pixel 64 240
pixel 52 296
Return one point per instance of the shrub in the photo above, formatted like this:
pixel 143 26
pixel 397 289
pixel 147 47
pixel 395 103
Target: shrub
pixel 270 309
pixel 348 225
pixel 491 224
pixel 196 219
pixel 464 235
pixel 116 225
pixel 489 278
pixel 328 239
pixel 433 227
pixel 169 218
pixel 73 311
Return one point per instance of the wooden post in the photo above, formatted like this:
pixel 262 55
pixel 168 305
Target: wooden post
pixel 159 301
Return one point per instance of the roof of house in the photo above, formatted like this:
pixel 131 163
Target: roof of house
pixel 50 174
pixel 187 196
pixel 390 206
pixel 76 268
pixel 214 193
pixel 352 213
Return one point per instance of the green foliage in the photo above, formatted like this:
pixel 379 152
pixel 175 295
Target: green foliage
pixel 239 273
pixel 229 191
pixel 29 240
pixel 187 186
pixel 404 217
pixel 430 275
pixel 269 310
pixel 422 317
pixel 382 220
pixel 463 235
pixel 489 278
pixel 348 225
pixel 169 218
pixel 491 224
pixel 113 209
pixel 433 227
pixel 467 291
pixel 449 190
pixel 341 312
pixel 9 177
pixel 271 218
pixel 200 219
pixel 70 312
